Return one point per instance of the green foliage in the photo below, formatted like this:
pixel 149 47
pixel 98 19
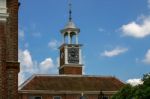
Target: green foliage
pixel 135 92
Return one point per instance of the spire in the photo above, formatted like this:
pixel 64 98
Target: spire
pixel 70 11
pixel 70 24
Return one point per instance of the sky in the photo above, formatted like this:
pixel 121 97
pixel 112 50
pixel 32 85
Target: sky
pixel 115 35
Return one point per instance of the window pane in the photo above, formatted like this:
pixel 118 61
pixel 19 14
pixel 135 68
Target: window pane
pixel 57 97
pixel 105 97
pixel 37 98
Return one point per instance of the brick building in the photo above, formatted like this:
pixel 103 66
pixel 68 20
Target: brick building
pixel 70 83
pixel 69 87
pixel 9 65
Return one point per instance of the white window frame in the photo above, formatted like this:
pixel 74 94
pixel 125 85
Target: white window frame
pixel 57 96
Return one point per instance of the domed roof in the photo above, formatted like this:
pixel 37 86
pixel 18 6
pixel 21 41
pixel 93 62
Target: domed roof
pixel 70 27
pixel 70 24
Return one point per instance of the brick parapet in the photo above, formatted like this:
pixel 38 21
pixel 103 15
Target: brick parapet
pixel 2 60
pixel 71 70
pixel 9 66
pixel 12 30
pixel 12 79
pixel 2 41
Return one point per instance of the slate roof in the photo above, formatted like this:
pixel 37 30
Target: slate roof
pixel 72 83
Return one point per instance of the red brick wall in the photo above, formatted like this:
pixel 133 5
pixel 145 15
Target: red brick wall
pixel 71 70
pixel 12 64
pixel 62 58
pixel 12 80
pixel 12 30
pixel 2 60
pixel 63 96
pixel 9 66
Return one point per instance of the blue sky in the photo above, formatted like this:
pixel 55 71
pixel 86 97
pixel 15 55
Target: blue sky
pixel 115 35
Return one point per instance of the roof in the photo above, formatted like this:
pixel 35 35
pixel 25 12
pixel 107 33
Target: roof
pixel 70 24
pixel 72 83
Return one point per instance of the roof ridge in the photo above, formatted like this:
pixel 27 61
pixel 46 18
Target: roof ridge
pixel 57 75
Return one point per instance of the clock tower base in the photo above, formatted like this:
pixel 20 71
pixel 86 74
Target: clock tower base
pixel 71 69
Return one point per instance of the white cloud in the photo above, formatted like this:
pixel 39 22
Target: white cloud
pixel 137 30
pixel 25 59
pixel 134 82
pixel 115 52
pixel 147 57
pixel 53 44
pixel 29 67
pixel 26 64
pixel 46 65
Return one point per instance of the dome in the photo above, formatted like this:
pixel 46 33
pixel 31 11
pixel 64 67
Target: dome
pixel 70 27
pixel 70 24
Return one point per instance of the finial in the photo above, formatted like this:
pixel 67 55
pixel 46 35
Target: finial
pixel 70 11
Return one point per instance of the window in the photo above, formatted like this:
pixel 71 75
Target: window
pixel 105 97
pixel 57 97
pixel 35 97
pixel 83 97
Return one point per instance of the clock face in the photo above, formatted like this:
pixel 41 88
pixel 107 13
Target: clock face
pixel 73 55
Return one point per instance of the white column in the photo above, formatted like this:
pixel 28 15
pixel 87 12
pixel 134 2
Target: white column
pixel 80 56
pixel 76 38
pixel 66 55
pixel 69 38
pixel 82 94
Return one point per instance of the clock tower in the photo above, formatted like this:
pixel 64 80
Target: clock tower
pixel 70 50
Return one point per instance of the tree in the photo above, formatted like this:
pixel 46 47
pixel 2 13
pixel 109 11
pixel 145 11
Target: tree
pixel 135 92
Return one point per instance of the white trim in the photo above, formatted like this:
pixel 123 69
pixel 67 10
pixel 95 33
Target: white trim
pixel 80 56
pixel 3 16
pixel 3 8
pixel 63 92
pixel 71 65
pixel 57 75
pixel 66 54
pixel 77 38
